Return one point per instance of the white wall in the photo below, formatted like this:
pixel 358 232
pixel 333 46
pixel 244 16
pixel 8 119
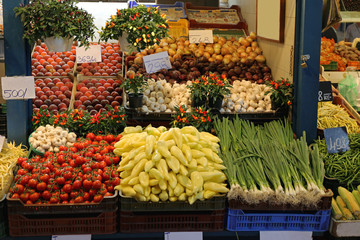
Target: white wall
pixel 280 56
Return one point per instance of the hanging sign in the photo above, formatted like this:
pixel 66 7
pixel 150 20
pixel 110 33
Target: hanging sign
pixel 336 139
pixel 325 91
pixel 201 36
pixel 90 55
pixel 18 87
pixel 156 62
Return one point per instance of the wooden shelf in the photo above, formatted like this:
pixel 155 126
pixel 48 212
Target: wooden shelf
pixel 350 16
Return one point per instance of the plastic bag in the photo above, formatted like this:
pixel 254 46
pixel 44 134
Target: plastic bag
pixel 348 88
pixel 331 14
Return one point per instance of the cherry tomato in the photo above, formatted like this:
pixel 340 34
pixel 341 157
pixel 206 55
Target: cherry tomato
pixel 46 195
pixel 86 196
pixel 74 194
pixel 15 196
pixel 97 198
pixel 79 199
pixel 19 188
pixel 54 200
pixel 90 136
pixel 32 183
pixel 67 188
pixel 76 185
pixel 24 197
pixel 20 160
pixel 60 180
pixel 98 138
pixel 41 186
pixel 109 138
pixel 87 184
pixel 34 197
pixel 60 159
pixel 64 197
pixel 44 178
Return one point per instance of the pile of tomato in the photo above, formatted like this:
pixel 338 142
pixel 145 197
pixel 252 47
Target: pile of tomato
pixel 83 173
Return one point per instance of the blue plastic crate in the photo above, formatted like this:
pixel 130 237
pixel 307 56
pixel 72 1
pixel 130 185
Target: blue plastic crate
pixel 237 220
pixel 166 8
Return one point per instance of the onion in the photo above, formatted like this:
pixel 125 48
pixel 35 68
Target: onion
pixel 243 60
pixel 226 60
pixel 248 50
pixel 209 49
pixel 180 51
pixel 199 52
pixel 207 55
pixel 243 55
pixel 150 51
pixel 228 56
pixel 138 60
pixel 249 39
pixel 211 59
pixel 165 48
pixel 240 50
pixel 219 57
pixel 159 50
pixel 245 42
pixel 260 59
pixel 258 50
pixel 170 40
pixel 234 59
pixel 144 52
pixel 252 35
pixel 192 46
pixel 173 46
pixel 254 44
pixel 215 39
pixel 177 56
pixel 225 50
pixel 187 43
pixel 181 47
pixel 253 54
pixel 171 52
pixel 187 51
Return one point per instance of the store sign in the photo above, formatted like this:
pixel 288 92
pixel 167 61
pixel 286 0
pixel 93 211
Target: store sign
pixel 285 235
pixel 71 237
pixel 90 55
pixel 18 87
pixel 156 62
pixel 325 91
pixel 201 36
pixel 183 235
pixel 336 139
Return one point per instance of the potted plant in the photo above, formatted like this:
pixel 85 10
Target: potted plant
pixel 139 27
pixel 198 91
pixel 133 86
pixel 57 22
pixel 198 117
pixel 218 87
pixel 282 95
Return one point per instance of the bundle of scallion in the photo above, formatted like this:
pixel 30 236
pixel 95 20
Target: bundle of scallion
pixel 266 164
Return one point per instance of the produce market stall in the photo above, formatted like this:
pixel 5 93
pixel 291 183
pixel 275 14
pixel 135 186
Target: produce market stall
pixel 93 170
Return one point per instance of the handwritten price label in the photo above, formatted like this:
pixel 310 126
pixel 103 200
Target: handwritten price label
pixel 337 139
pixel 155 62
pixel 90 55
pixel 18 87
pixel 201 36
pixel 325 91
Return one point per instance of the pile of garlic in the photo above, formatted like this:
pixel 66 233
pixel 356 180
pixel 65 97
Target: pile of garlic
pixel 161 96
pixel 247 97
pixel 50 138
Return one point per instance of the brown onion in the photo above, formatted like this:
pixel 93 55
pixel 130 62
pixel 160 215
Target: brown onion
pixel 138 60
pixel 209 49
pixel 254 44
pixel 207 55
pixel 171 52
pixel 253 54
pixel 253 35
pixel 248 50
pixel 258 50
pixel 211 59
pixel 219 57
pixel 245 42
pixel 260 59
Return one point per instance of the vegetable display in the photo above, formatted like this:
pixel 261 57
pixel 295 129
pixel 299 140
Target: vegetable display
pixel 49 138
pixel 8 158
pixel 266 164
pixel 331 116
pixel 175 165
pixel 346 206
pixel 342 166
pixel 82 173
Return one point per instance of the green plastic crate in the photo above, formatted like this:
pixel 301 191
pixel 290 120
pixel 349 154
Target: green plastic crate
pixel 331 66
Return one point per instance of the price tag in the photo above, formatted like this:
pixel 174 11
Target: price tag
pixel 325 91
pixel 201 36
pixel 90 55
pixel 71 237
pixel 183 235
pixel 336 139
pixel 18 87
pixel 155 62
pixel 285 235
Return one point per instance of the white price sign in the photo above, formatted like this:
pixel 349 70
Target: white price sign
pixel 201 36
pixel 285 235
pixel 18 87
pixel 71 237
pixel 156 62
pixel 90 55
pixel 183 235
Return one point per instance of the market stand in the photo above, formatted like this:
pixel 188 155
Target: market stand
pixel 209 234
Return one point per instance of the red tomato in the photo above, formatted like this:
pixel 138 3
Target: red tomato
pixel 98 138
pixel 60 159
pixel 118 137
pixel 67 188
pixel 60 180
pixel 79 199
pixel 44 178
pixel 21 171
pixel 97 198
pixel 96 184
pixel 21 160
pixel 46 195
pixel 32 183
pixel 87 184
pixel 15 196
pixel 24 197
pixel 86 196
pixel 34 197
pixel 54 200
pixel 90 136
pixel 109 138
pixel 74 194
pixel 62 148
pixel 19 188
pixel 41 186
pixel 64 197
pixel 76 185
pixel 102 165
pixel 116 181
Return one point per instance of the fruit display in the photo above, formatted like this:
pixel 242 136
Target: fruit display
pixel 46 63
pixel 110 65
pixel 49 138
pixel 8 158
pixel 52 93
pixel 237 59
pixel 83 173
pixel 331 115
pixel 275 168
pixel 346 206
pixel 95 94
pixel 342 166
pixel 175 165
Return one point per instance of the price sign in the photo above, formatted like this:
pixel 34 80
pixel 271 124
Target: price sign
pixel 201 36
pixel 285 235
pixel 325 91
pixel 183 235
pixel 18 87
pixel 336 139
pixel 90 55
pixel 155 62
pixel 71 237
